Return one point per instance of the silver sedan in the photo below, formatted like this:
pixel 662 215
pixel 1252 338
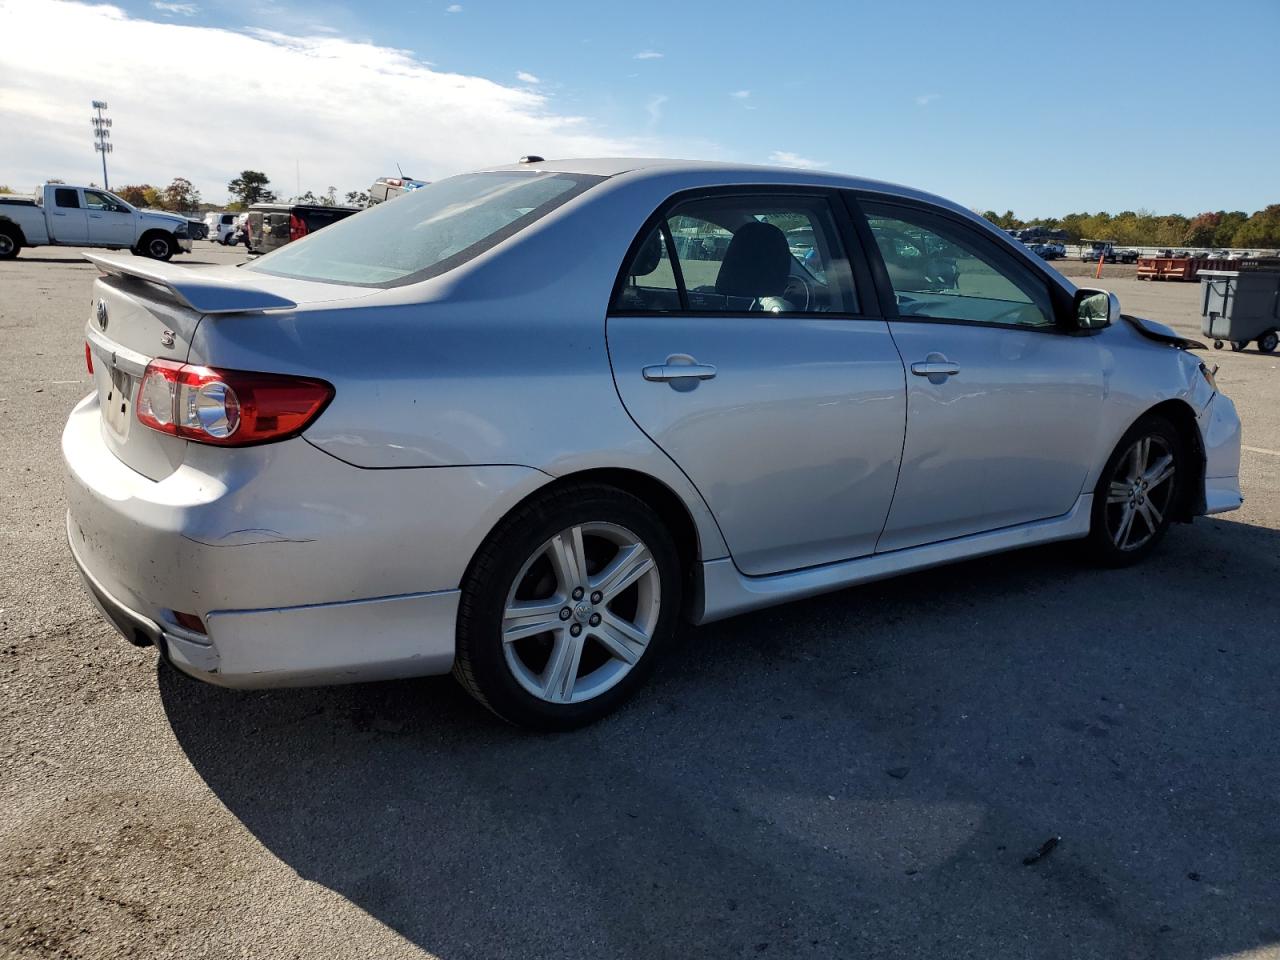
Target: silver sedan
pixel 520 422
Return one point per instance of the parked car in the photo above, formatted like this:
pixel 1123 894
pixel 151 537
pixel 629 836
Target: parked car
pixel 222 227
pixel 63 215
pixel 388 188
pixel 272 225
pixel 503 428
pixel 197 229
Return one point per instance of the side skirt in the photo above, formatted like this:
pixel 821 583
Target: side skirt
pixel 725 592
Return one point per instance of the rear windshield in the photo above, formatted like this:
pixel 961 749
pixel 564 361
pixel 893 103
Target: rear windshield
pixel 426 232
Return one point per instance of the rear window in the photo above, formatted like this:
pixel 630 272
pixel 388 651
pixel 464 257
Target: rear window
pixel 426 232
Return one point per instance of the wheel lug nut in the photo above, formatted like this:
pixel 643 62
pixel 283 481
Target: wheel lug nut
pixel 596 596
pixel 577 593
pixel 565 613
pixel 595 620
pixel 576 629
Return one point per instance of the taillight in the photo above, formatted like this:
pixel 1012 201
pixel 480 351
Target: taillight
pixel 88 357
pixel 297 227
pixel 230 408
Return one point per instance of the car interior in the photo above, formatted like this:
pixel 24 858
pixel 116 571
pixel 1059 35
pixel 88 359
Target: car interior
pixel 738 259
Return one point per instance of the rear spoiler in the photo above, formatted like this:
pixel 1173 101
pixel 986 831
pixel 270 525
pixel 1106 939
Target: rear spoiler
pixel 190 287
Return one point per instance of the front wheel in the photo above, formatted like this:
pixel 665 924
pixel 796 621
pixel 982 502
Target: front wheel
pixel 159 246
pixel 1238 345
pixel 1138 492
pixel 566 607
pixel 1268 342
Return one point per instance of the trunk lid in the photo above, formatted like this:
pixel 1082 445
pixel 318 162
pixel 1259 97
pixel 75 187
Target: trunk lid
pixel 142 310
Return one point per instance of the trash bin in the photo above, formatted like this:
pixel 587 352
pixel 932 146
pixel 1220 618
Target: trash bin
pixel 1241 305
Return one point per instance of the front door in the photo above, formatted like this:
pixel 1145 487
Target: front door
pixel 67 221
pixel 111 224
pixel 740 345
pixel 1002 406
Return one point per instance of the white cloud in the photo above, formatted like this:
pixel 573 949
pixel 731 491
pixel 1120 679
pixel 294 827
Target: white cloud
pixel 344 111
pixel 453 8
pixel 186 9
pixel 524 77
pixel 654 108
pixel 785 158
pixel 740 94
pixel 927 98
pixel 647 55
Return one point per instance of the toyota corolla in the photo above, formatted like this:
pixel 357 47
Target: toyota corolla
pixel 519 423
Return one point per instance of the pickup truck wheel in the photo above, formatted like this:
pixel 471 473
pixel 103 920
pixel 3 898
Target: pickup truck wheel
pixel 1268 342
pixel 9 245
pixel 158 246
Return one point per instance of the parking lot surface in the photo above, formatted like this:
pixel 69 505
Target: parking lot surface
pixel 879 772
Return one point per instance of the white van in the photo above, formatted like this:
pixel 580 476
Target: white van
pixel 221 226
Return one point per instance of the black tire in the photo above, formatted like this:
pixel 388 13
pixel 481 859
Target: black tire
pixel 1238 345
pixel 157 246
pixel 1268 342
pixel 1106 518
pixel 481 662
pixel 9 245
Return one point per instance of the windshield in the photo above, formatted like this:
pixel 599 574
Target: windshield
pixel 426 232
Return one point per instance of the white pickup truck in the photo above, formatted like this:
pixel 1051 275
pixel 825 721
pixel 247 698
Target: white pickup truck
pixel 87 217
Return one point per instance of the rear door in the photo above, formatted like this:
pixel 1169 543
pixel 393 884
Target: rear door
pixel 110 224
pixel 68 222
pixel 1002 405
pixel 773 384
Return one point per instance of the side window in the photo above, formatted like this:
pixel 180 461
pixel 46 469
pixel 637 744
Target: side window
pixel 743 254
pixel 66 197
pixel 942 270
pixel 97 201
pixel 651 281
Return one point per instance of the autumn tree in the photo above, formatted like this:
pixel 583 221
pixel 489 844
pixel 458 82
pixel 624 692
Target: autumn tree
pixel 180 195
pixel 136 194
pixel 1200 231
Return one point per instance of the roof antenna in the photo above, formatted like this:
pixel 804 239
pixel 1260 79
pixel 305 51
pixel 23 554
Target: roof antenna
pixel 399 171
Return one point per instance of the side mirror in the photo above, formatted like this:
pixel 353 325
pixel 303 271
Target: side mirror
pixel 1095 309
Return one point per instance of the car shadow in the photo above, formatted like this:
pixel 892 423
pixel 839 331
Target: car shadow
pixel 23 258
pixel 865 773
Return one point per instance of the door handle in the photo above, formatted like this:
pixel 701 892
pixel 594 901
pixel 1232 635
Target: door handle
pixel 679 366
pixel 57 214
pixel 936 367
pixel 95 216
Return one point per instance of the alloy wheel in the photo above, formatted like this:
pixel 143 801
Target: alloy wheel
pixel 158 248
pixel 1140 492
pixel 6 244
pixel 581 612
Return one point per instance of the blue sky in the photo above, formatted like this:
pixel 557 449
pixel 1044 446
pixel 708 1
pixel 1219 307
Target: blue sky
pixel 1045 108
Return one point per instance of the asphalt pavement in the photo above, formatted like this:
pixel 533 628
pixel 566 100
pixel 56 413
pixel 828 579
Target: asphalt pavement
pixel 1020 756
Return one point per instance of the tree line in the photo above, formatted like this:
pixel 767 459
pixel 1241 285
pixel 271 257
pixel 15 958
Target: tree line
pixel 252 186
pixel 1142 228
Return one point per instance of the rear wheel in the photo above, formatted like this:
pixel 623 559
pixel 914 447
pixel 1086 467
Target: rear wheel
pixel 1138 492
pixel 1238 345
pixel 9 245
pixel 1268 342
pixel 566 607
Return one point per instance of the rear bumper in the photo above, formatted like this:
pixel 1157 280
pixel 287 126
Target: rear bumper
pixel 376 639
pixel 302 568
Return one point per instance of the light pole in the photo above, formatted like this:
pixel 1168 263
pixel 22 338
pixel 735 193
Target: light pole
pixel 102 137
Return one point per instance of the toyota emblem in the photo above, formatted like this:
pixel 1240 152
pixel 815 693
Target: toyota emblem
pixel 102 314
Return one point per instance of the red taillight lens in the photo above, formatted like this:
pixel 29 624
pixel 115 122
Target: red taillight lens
pixel 230 408
pixel 88 357
pixel 297 227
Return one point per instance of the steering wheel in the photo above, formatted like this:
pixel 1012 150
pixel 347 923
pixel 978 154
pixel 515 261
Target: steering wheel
pixel 798 290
